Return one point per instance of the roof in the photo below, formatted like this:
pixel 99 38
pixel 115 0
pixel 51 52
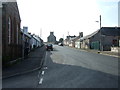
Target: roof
pixel 75 38
pixel 27 34
pixel 110 31
pixel 90 35
pixel 35 37
pixel 68 37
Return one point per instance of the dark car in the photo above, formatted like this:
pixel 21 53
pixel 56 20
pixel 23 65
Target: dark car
pixel 49 47
pixel 60 44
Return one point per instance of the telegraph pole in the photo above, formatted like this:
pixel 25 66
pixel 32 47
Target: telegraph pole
pixel 41 33
pixel 68 33
pixel 101 48
pixel 100 21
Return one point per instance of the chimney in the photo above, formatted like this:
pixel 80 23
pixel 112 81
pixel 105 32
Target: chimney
pixel 51 33
pixel 25 29
pixel 81 34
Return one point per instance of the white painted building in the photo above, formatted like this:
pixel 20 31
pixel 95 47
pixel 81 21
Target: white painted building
pixel 35 41
pixel 32 40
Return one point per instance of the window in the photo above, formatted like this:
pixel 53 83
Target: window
pixel 114 42
pixel 17 33
pixel 9 30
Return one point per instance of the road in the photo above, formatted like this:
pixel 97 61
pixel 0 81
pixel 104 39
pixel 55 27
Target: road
pixel 66 67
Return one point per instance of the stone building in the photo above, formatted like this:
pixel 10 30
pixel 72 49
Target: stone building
pixel 51 38
pixel 11 44
pixel 102 39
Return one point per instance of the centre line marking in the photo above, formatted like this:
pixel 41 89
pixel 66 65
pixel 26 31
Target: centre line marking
pixel 41 80
pixel 43 72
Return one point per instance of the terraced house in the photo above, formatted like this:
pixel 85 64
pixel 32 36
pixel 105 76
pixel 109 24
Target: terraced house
pixel 103 39
pixel 11 42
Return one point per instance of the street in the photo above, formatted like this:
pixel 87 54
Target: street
pixel 66 67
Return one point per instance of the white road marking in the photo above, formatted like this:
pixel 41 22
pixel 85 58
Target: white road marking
pixel 41 80
pixel 43 72
pixel 45 67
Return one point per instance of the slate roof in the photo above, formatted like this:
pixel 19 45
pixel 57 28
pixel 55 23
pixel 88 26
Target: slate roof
pixel 110 31
pixel 88 36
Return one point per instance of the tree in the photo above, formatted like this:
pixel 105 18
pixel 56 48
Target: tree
pixel 60 40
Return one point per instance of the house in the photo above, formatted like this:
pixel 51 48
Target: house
pixel 51 38
pixel 102 39
pixel 85 41
pixel 77 43
pixel 29 40
pixel 73 41
pixel 68 41
pixel 25 40
pixel 11 44
pixel 35 41
pixel 77 40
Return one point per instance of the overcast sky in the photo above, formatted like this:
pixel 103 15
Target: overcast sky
pixel 63 16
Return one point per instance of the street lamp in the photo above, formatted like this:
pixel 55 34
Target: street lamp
pixel 99 21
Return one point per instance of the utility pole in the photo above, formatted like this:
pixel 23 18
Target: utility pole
pixel 41 33
pixel 68 33
pixel 100 21
pixel 101 48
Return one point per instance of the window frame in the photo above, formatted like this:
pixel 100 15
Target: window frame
pixel 9 30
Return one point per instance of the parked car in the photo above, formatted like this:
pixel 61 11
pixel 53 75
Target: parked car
pixel 49 47
pixel 60 44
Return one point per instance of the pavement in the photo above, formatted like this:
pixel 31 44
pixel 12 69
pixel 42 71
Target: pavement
pixel 33 62
pixel 107 53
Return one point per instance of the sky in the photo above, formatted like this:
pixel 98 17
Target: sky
pixel 67 17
